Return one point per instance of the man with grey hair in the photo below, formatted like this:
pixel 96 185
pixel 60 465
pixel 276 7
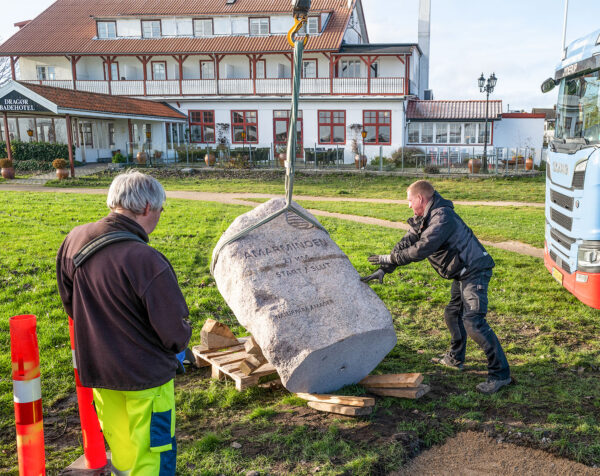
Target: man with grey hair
pixel 129 319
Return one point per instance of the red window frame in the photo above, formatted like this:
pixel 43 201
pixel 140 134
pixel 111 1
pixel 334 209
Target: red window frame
pixel 197 118
pixel 244 124
pixel 378 122
pixel 105 69
pixel 331 123
pixel 286 121
pixel 152 63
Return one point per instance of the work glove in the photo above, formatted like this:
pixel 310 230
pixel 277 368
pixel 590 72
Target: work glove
pixel 380 259
pixel 379 274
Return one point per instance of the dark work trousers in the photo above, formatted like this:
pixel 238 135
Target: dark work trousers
pixel 465 316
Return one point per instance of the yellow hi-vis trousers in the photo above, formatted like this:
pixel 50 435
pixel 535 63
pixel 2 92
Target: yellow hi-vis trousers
pixel 139 427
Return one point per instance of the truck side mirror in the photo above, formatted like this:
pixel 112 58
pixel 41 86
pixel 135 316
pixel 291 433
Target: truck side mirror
pixel 548 85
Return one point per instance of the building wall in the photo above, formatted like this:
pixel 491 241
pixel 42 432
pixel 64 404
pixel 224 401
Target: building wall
pixel 519 132
pixel 354 114
pixel 28 65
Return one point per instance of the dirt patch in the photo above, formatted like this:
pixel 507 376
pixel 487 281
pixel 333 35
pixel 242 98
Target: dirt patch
pixel 472 453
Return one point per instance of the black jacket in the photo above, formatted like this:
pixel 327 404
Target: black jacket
pixel 444 239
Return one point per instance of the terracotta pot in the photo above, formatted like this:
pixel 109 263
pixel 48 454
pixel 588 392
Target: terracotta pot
pixel 474 166
pixel 210 159
pixel 8 173
pixel 141 157
pixel 282 157
pixel 62 174
pixel 529 164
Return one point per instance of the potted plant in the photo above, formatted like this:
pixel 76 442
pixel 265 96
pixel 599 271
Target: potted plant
pixel 282 154
pixel 529 163
pixel 8 171
pixel 61 168
pixel 222 139
pixel 118 158
pixel 157 154
pixel 210 158
pixel 474 165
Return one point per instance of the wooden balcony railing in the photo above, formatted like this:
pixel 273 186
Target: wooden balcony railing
pixel 238 87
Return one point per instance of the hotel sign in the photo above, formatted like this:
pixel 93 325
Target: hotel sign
pixel 16 102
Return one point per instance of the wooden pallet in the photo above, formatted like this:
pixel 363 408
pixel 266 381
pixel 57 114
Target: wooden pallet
pixel 226 362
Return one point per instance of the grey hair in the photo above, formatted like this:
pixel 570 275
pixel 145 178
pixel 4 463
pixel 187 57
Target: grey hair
pixel 133 190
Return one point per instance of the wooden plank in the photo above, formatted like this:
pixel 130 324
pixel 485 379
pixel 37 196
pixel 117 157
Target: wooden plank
pixel 265 369
pixel 228 350
pixel 416 392
pixel 338 399
pixel 392 380
pixel 217 373
pixel 340 409
pixel 229 359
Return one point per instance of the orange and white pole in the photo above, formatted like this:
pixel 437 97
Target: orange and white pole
pixel 93 441
pixel 27 395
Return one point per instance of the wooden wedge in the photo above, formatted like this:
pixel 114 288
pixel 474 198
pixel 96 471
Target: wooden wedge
pixel 340 409
pixel 338 399
pixel 416 392
pixel 392 380
pixel 249 364
pixel 252 348
pixel 216 335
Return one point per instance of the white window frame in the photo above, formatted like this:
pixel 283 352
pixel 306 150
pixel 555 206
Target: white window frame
pixel 440 125
pixel 104 30
pixel 423 141
pixel 450 126
pixel 311 62
pixel 412 128
pixel 260 26
pixel 46 73
pixel 350 69
pixel 207 70
pixel 152 33
pixel 200 27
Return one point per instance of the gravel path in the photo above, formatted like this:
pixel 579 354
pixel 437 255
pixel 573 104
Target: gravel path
pixel 474 454
pixel 244 199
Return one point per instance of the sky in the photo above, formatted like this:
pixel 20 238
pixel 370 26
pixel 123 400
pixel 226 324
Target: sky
pixel 519 40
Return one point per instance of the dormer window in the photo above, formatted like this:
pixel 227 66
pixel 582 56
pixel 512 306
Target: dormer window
pixel 313 26
pixel 259 26
pixel 203 27
pixel 151 29
pixel 107 29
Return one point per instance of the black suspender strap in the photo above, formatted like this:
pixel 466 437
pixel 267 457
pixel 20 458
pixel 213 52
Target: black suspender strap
pixel 100 242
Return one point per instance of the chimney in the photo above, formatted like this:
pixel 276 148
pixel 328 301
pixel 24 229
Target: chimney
pixel 424 38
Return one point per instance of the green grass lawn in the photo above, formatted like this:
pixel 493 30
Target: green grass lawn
pixel 551 341
pixel 528 189
pixel 488 223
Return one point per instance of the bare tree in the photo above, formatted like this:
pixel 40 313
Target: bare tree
pixel 5 71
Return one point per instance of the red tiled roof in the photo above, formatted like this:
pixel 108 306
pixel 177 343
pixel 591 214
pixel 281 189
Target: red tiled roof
pixel 449 110
pixel 84 101
pixel 69 26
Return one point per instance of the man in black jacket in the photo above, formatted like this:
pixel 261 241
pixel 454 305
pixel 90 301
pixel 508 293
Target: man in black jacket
pixel 439 234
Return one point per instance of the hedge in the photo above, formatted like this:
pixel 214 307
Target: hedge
pixel 32 156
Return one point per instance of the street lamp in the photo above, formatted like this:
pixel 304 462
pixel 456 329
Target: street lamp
pixel 364 157
pixel 243 142
pixel 30 134
pixel 486 86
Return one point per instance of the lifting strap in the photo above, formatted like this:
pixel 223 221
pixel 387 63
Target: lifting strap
pixel 291 149
pixel 100 242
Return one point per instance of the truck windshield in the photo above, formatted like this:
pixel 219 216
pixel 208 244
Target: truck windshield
pixel 577 110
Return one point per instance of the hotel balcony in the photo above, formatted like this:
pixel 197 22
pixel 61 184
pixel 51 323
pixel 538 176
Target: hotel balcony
pixel 393 86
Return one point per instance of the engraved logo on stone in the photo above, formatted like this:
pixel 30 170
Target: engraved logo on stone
pixel 297 222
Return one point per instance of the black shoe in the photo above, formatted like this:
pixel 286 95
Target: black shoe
pixel 492 386
pixel 448 361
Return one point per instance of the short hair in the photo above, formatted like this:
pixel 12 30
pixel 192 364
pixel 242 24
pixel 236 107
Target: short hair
pixel 133 190
pixel 422 187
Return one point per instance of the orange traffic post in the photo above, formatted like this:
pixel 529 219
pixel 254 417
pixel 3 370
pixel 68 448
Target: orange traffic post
pixel 27 395
pixel 93 440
